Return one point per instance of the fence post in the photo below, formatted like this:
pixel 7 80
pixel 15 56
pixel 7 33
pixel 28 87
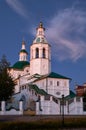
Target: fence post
pixel 62 110
pixel 3 107
pixel 21 106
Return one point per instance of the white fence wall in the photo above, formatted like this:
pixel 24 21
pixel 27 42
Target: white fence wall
pixel 49 107
pixel 12 111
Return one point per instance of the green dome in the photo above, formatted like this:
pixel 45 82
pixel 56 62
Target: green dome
pixel 20 64
pixel 24 51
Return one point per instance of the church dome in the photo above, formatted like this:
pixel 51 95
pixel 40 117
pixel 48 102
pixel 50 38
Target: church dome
pixel 20 64
pixel 24 51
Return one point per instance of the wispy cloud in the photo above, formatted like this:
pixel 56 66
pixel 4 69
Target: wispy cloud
pixel 18 7
pixel 67 34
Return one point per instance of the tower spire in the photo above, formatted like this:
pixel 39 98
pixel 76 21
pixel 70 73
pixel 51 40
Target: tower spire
pixel 23 45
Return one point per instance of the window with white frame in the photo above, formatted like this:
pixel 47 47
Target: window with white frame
pixel 51 83
pixel 57 83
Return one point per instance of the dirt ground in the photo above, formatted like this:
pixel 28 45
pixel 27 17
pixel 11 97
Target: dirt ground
pixel 26 118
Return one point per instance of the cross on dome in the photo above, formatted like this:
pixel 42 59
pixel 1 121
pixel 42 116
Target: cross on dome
pixel 40 29
pixel 41 25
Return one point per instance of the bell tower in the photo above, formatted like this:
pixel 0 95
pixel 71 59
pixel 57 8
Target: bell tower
pixel 40 53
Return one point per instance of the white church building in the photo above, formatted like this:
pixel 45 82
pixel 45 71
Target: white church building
pixel 41 89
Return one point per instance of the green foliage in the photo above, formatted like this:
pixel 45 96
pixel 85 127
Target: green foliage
pixel 6 82
pixel 4 64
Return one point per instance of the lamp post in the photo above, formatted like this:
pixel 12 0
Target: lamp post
pixel 63 110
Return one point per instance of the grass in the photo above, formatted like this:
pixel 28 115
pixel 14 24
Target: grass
pixel 44 124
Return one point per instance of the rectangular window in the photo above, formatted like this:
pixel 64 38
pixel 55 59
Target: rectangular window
pixel 47 97
pixel 25 86
pixel 77 99
pixel 57 83
pixel 43 84
pixel 29 89
pixel 65 83
pixel 51 82
pixel 22 87
pixel 35 93
pixel 32 92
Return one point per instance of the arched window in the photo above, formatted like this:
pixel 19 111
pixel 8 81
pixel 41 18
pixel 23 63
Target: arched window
pixel 44 53
pixel 24 57
pixel 31 54
pixel 37 53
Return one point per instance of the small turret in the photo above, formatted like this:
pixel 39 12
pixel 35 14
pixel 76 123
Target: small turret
pixel 23 53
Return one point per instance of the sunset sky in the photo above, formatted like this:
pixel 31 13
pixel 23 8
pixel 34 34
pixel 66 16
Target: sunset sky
pixel 65 23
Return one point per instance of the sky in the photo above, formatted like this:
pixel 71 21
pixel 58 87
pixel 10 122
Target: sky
pixel 65 23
